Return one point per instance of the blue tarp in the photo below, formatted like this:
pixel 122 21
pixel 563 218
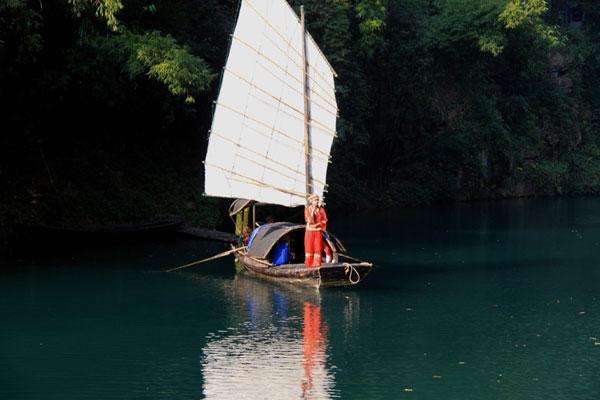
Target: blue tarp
pixel 253 234
pixel 281 253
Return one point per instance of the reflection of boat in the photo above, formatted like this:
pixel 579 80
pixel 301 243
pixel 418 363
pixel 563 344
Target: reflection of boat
pixel 273 126
pixel 269 356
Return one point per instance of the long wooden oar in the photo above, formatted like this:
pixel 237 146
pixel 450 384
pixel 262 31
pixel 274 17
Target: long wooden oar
pixel 223 254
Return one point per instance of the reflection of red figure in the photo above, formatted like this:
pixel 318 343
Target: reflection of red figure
pixel 312 345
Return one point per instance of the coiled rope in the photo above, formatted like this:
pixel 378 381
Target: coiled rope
pixel 349 269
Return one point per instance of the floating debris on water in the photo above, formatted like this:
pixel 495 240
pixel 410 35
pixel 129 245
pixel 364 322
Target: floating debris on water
pixel 437 376
pixel 461 363
pixel 581 312
pixel 408 389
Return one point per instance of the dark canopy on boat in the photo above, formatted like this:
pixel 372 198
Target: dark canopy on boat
pixel 268 235
pixel 238 205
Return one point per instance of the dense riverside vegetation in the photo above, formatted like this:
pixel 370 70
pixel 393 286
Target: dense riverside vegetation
pixel 107 103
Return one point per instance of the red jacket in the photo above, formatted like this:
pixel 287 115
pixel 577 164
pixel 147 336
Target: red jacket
pixel 317 220
pixel 322 217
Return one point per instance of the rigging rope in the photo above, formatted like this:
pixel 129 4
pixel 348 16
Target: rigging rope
pixel 349 269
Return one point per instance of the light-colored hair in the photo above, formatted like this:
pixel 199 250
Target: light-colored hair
pixel 313 196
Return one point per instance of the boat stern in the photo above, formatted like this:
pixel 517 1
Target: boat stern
pixel 344 274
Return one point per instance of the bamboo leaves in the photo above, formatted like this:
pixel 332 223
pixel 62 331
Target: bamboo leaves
pixel 161 58
pixel 148 53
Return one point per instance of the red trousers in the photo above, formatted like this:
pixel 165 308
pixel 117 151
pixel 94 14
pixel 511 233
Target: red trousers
pixel 313 246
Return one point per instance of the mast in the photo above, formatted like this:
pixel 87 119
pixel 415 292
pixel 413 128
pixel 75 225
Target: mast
pixel 309 186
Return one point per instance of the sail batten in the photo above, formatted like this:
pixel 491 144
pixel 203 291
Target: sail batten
pixel 256 146
pixel 269 160
pixel 316 151
pixel 321 83
pixel 321 93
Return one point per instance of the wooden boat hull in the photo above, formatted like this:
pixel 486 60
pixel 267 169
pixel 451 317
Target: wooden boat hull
pixel 333 274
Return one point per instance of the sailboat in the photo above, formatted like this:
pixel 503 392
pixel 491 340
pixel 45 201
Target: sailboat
pixel 270 141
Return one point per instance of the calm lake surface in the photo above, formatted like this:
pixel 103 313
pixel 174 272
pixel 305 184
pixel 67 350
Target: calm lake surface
pixel 477 301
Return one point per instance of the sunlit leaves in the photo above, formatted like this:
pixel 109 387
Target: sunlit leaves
pixel 161 58
pixel 491 42
pixel 151 54
pixel 372 15
pixel 486 23
pixel 108 9
pixel 518 12
pixel 459 23
pixel 105 9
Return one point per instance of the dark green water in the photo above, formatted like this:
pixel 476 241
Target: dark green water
pixel 480 301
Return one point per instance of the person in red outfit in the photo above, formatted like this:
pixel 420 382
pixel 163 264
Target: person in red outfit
pixel 315 219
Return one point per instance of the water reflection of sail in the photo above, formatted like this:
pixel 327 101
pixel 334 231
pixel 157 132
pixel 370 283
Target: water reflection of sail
pixel 278 352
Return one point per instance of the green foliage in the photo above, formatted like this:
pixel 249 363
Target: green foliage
pixel 520 12
pixel 464 23
pixel 114 95
pixel 438 100
pixel 372 15
pixel 21 40
pixel 585 171
pixel 486 23
pixel 104 9
pixel 549 174
pixel 163 59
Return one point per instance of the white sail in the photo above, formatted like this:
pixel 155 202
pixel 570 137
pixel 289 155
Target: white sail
pixel 256 145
